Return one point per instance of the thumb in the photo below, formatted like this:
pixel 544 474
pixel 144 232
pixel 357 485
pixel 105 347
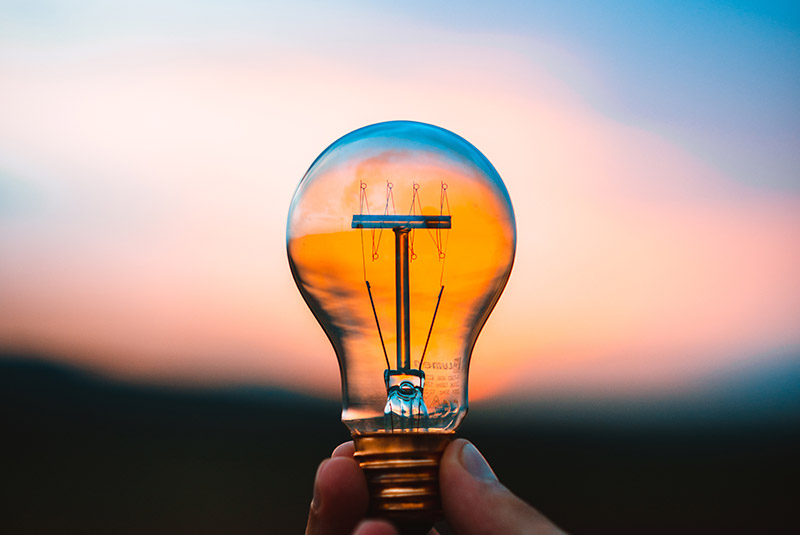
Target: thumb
pixel 476 503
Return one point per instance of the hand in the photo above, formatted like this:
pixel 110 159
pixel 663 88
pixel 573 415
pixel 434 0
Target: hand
pixel 473 500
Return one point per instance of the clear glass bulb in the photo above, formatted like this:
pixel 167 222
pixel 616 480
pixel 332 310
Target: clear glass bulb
pixel 401 237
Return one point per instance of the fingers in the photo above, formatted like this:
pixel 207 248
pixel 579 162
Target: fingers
pixel 475 503
pixel 375 527
pixel 344 450
pixel 340 497
pixel 381 527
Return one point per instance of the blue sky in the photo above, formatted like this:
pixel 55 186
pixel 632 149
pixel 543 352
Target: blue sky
pixel 721 77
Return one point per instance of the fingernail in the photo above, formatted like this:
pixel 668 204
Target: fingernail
pixel 317 499
pixel 475 464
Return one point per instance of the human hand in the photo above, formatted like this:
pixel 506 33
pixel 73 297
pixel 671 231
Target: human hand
pixel 474 502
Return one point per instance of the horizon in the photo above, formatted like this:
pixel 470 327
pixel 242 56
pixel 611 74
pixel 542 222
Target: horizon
pixel 752 395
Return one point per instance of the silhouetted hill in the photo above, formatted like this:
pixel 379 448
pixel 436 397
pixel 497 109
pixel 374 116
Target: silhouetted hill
pixel 83 454
pixel 57 396
pixel 760 395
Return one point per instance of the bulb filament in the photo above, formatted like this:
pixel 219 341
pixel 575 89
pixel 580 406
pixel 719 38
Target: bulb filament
pixel 405 406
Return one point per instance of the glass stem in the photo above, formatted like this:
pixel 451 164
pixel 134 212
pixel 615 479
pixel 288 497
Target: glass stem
pixel 402 298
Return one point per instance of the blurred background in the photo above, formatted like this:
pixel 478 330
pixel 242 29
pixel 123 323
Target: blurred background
pixel 160 372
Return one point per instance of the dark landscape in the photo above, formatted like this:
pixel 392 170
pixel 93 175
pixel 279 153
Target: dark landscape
pixel 83 454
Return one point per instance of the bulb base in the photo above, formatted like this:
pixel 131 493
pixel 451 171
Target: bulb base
pixel 402 471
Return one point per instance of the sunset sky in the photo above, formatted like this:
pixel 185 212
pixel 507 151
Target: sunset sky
pixel 149 151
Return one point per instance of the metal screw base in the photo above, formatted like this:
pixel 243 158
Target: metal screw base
pixel 402 471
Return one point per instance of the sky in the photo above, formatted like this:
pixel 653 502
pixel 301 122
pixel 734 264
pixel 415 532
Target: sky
pixel 149 151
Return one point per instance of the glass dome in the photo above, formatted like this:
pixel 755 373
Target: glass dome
pixel 401 237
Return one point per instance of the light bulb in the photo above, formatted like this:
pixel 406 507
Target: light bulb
pixel 401 237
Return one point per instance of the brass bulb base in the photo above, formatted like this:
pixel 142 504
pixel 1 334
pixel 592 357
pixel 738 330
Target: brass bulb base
pixel 402 471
